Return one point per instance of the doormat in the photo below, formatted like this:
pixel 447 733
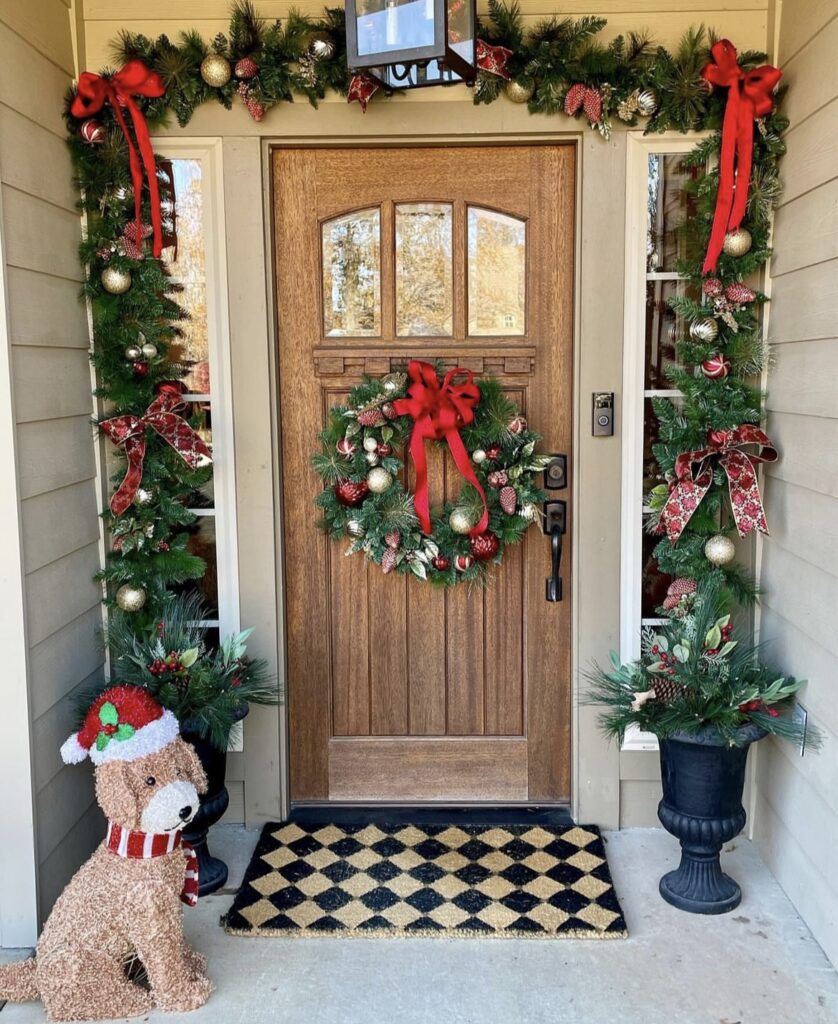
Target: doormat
pixel 515 881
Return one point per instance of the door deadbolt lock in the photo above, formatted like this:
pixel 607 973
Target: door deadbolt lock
pixel 603 413
pixel 555 473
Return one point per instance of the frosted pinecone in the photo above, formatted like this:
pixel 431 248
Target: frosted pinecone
pixel 508 500
pixel 371 418
pixel 392 539
pixel 388 561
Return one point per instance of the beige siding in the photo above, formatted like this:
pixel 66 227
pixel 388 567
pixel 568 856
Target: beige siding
pixel 796 810
pixel 52 404
pixel 746 20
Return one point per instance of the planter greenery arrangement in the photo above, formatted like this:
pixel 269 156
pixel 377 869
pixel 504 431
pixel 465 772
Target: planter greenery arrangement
pixel 706 696
pixel 208 688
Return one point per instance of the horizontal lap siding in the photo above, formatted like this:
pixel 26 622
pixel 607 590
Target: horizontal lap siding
pixel 796 820
pixel 59 501
pixel 666 20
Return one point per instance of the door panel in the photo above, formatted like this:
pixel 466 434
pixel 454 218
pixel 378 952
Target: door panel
pixel 398 691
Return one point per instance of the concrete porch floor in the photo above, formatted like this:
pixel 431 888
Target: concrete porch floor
pixel 758 965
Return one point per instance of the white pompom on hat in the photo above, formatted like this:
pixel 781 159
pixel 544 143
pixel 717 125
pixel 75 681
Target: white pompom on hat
pixel 125 723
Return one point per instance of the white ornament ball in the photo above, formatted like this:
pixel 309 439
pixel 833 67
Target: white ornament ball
pixel 149 350
pixel 737 243
pixel 720 550
pixel 354 528
pixel 704 330
pixel 130 598
pixel 478 456
pixel 460 521
pixel 144 496
pixel 116 281
pixel 390 386
pixel 378 480
pixel 216 70
pixel 370 444
pixel 372 458
pixel 133 353
pixel 647 102
pixel 529 512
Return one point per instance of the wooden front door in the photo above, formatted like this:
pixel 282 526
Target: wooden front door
pixel 398 691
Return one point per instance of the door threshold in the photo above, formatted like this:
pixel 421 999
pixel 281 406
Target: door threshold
pixel 431 814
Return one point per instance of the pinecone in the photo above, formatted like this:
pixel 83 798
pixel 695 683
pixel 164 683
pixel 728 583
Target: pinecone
pixel 497 478
pixel 508 500
pixel 246 68
pixel 667 690
pixel 392 539
pixel 388 561
pixel 678 588
pixel 712 287
pixel 739 293
pixel 574 98
pixel 254 107
pixel 592 105
pixel 371 418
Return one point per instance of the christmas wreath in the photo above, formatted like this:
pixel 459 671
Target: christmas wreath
pixel 361 464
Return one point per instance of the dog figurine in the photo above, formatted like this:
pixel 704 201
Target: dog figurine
pixel 126 900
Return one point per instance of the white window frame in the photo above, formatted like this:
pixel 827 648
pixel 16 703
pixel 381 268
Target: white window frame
pixel 209 153
pixel 638 150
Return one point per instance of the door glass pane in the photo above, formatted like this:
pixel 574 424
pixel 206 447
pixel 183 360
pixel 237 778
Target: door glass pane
pixel 496 273
pixel 663 328
pixel 667 212
pixel 424 282
pixel 352 274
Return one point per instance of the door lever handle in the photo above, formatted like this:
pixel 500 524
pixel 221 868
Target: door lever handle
pixel 554 525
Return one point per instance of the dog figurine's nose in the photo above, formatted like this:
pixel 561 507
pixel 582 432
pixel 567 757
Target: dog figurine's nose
pixel 185 813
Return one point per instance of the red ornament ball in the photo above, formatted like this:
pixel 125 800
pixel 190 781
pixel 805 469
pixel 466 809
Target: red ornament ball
pixel 518 425
pixel 463 562
pixel 351 492
pixel 246 68
pixel 389 410
pixel 716 366
pixel 384 450
pixel 440 562
pixel 345 448
pixel 92 132
pixel 140 368
pixel 493 451
pixel 485 546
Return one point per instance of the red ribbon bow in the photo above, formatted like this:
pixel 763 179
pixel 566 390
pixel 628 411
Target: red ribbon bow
pixel 694 471
pixel 438 412
pixel 493 59
pixel 749 97
pixel 129 433
pixel 134 79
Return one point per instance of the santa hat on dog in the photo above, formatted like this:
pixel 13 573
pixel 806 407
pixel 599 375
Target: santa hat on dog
pixel 125 723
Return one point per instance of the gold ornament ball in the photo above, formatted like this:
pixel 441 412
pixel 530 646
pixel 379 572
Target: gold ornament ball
pixel 517 92
pixel 647 102
pixel 719 550
pixel 378 480
pixel 116 281
pixel 144 496
pixel 529 512
pixel 372 458
pixel 149 350
pixel 216 70
pixel 737 243
pixel 704 330
pixel 354 528
pixel 460 521
pixel 130 598
pixel 321 46
pixel 133 353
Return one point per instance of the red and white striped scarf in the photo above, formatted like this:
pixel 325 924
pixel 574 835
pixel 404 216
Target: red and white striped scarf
pixel 145 845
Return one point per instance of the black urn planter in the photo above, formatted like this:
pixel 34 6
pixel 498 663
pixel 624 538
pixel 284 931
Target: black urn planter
pixel 212 871
pixel 703 778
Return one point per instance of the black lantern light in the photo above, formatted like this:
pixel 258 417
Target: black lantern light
pixel 409 43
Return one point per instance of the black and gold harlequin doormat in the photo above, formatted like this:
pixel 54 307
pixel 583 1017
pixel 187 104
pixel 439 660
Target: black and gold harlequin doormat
pixel 517 881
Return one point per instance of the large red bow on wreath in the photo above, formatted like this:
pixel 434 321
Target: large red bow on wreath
pixel 749 97
pixel 694 472
pixel 438 412
pixel 129 433
pixel 134 79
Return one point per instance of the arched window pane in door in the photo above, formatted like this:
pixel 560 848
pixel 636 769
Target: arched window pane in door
pixel 351 253
pixel 496 273
pixel 424 281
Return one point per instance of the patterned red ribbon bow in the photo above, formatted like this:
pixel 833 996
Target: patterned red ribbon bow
pixel 129 433
pixel 438 412
pixel 694 471
pixel 749 97
pixel 493 59
pixel 134 79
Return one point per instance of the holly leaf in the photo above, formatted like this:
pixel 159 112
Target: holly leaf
pixel 189 657
pixel 102 740
pixel 713 638
pixel 108 715
pixel 123 732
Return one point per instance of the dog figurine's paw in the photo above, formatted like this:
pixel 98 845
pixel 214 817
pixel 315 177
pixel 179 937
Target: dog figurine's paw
pixel 196 964
pixel 191 996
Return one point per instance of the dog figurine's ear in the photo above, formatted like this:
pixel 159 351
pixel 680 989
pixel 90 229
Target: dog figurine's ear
pixel 191 766
pixel 116 795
